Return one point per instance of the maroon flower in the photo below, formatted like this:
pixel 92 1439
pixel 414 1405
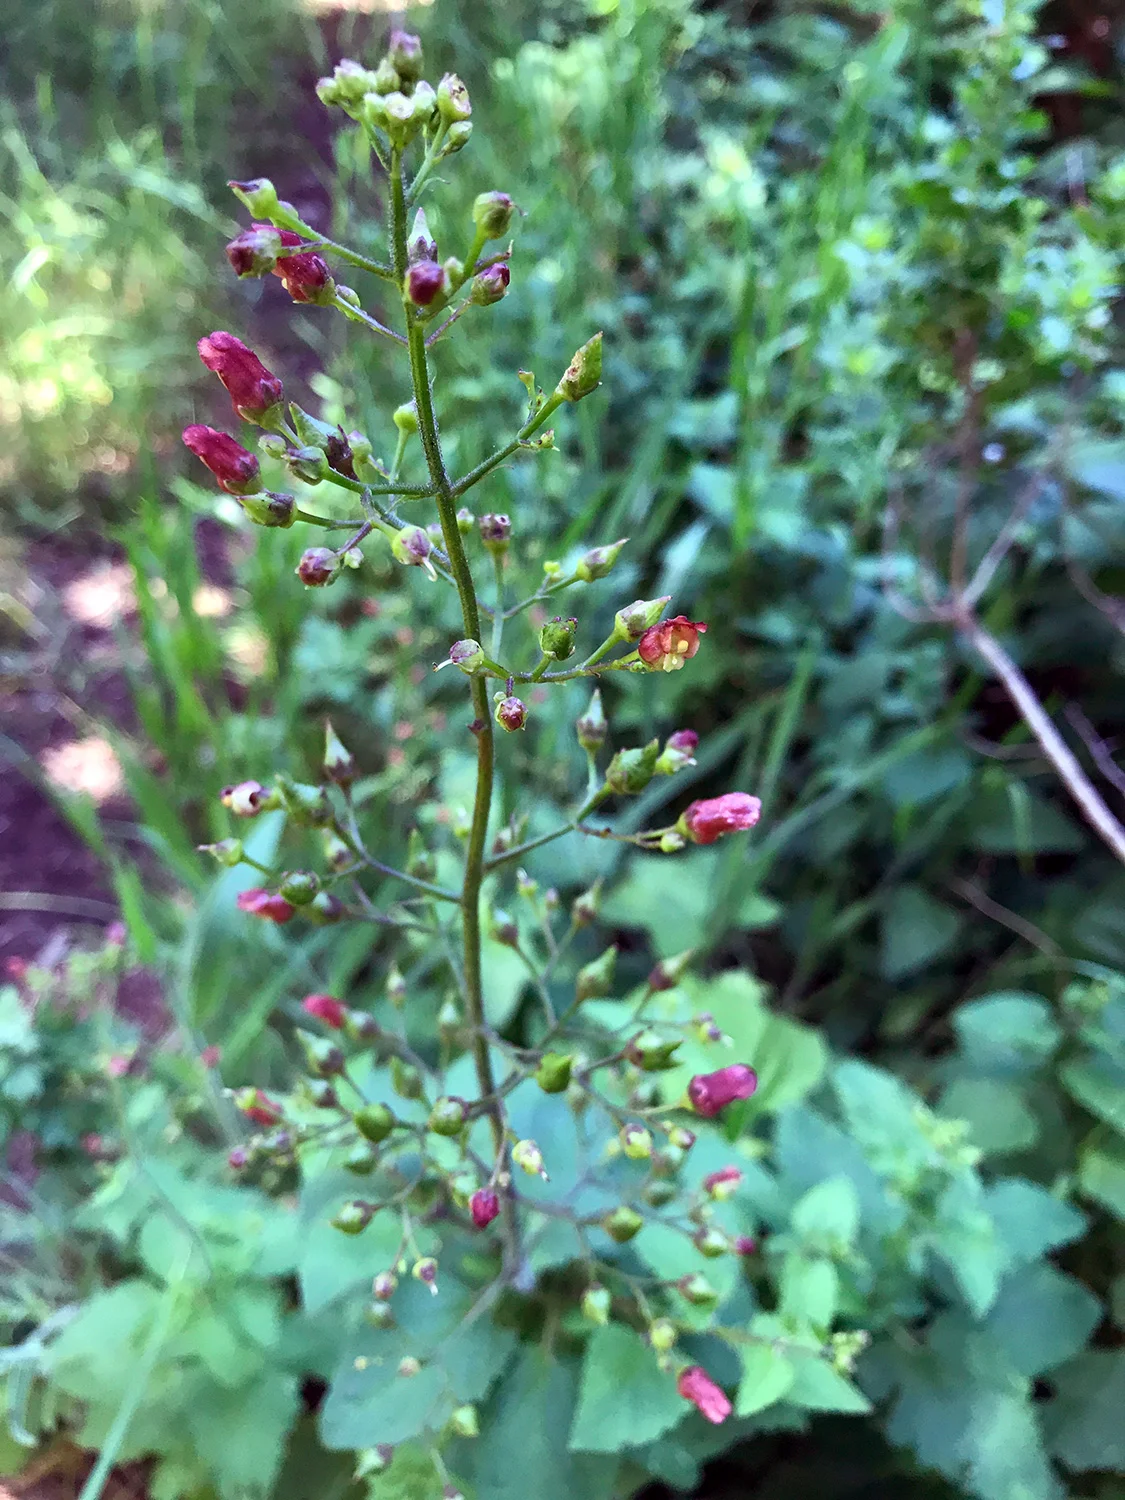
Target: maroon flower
pixel 260 903
pixel 511 713
pixel 305 274
pixel 665 647
pixel 684 741
pixel 252 388
pixel 695 1385
pixel 326 1009
pixel 234 466
pixel 744 1244
pixel 484 1205
pixel 721 1184
pixel 424 282
pixel 706 821
pixel 318 566
pixel 490 286
pixel 254 251
pixel 259 1107
pixel 711 1092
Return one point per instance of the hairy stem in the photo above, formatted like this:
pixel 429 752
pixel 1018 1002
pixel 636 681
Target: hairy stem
pixel 483 726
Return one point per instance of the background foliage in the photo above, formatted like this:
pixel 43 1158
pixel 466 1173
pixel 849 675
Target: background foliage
pixel 844 259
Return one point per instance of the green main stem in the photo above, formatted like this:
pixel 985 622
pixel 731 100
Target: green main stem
pixel 483 726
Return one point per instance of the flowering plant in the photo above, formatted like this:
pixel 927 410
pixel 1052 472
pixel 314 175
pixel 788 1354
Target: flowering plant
pixel 565 1182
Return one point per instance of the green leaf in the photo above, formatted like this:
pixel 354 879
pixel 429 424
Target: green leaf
pixel 1084 1422
pixel 766 1376
pixel 966 1238
pixel 999 1120
pixel 1101 1175
pixel 528 1418
pixel 819 1387
pixel 1007 1032
pixel 625 1399
pixel 17 1033
pixel 828 1215
pixel 916 929
pixel 810 1288
pixel 1041 1318
pixel 241 1435
pixel 1030 1220
pixel 1098 1083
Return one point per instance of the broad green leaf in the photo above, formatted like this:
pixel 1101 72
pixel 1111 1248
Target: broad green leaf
pixel 828 1215
pixel 1098 1083
pixel 916 929
pixel 241 1435
pixel 1101 1175
pixel 17 1032
pixel 1041 1318
pixel 624 1399
pixel 966 1238
pixel 806 1146
pixel 1029 1219
pixel 766 1377
pixel 1084 1422
pixel 998 1117
pixel 818 1387
pixel 1007 1032
pixel 809 1287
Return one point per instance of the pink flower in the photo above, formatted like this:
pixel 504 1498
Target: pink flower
pixel 258 1106
pixel 234 466
pixel 424 282
pixel 210 1057
pixel 304 275
pixel 695 1385
pixel 260 903
pixel 744 1244
pixel 251 386
pixel 712 1092
pixel 721 1184
pixel 484 1205
pixel 706 821
pixel 665 647
pixel 326 1009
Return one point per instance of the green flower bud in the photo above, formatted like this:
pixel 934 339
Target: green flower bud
pixel 396 987
pixel 379 1315
pixel 453 100
pixel 465 520
pixel 682 1138
pixel 503 929
pixel 622 1224
pixel 228 852
pixel 268 509
pixel 672 843
pixel 556 638
pixel 662 1335
pixel 528 1157
pixel 424 100
pixel 387 78
pixel 584 373
pixel 307 805
pixel 259 196
pixel 409 1366
pixel 326 910
pixel 323 1057
pixel 406 417
pixel 374 1122
pixel 458 134
pixel 553 1073
pixel 668 1162
pixel 636 1142
pixel 448 1116
pixel 338 762
pixel 595 980
pixel 592 727
pixel 585 908
pixel 631 771
pixel 492 214
pixel 384 1286
pixel 405 1079
pixel 659 1192
pixel 668 972
pixel 320 1093
pixel 464 1421
pixel 373 1460
pixel 651 1052
pixel 347 86
pixel 596 1303
pixel 299 887
pixel 449 1018
pixel 697 1290
pixel 354 1217
pixel 630 623
pixel 412 547
pixel 710 1242
pixel 404 53
pixel 598 562
pixel 425 1271
pixel 362 1159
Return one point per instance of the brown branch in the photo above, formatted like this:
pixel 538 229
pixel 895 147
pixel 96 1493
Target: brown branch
pixel 1099 750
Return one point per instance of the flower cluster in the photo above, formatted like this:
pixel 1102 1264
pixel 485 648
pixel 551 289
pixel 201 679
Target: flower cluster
pixel 436 1157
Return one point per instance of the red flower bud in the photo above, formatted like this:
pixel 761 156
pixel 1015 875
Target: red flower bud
pixel 235 468
pixel 259 1107
pixel 305 274
pixel 318 566
pixel 254 251
pixel 326 1009
pixel 720 1184
pixel 712 1092
pixel 252 388
pixel 706 821
pixel 424 282
pixel 490 286
pixel 744 1244
pixel 260 903
pixel 484 1206
pixel 665 647
pixel 511 713
pixel 684 741
pixel 695 1385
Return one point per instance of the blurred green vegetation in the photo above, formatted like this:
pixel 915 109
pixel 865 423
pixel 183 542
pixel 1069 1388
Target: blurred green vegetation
pixel 850 262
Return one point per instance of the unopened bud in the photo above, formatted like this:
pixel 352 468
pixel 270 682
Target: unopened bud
pixel 584 372
pixel 678 752
pixel 662 1335
pixel 326 910
pixel 556 638
pixel 347 86
pixel 672 842
pixel 592 727
pixel 449 1018
pixel 426 283
pixel 503 929
pixel 585 908
pixel 373 1460
pixel 457 136
pixel 299 887
pixel 682 1138
pixel 362 1159
pixel 323 1057
pixel 338 763
pixel 406 417
pixel 412 547
pixel 495 532
pixel 259 195
pixel 528 1157
pixel 404 53
pixel 467 654
pixel 595 980
pixel 320 1093
pixel 396 987
pixel 651 1052
pixel 706 1028
pixel 409 1366
pixel 448 1116
pixel 425 1271
pixel 405 1079
pixel 511 712
pixel 596 1303
pixel 668 972
pixel 492 214
pixel 630 623
pixel 419 861
pixel 374 1122
pixel 659 1192
pixel 318 567
pixel 465 520
pixel 636 1142
pixel 453 100
pixel 553 1073
pixel 697 1290
pixel 464 1421
pixel 630 771
pixel 378 1315
pixel 491 286
pixel 710 1242
pixel 228 852
pixel 354 1217
pixel 599 561
pixel 622 1224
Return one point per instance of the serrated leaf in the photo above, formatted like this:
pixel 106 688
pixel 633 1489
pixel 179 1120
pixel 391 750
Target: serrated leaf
pixel 810 1287
pixel 1041 1318
pixel 999 1119
pixel 1008 1032
pixel 624 1399
pixel 1084 1421
pixel 1030 1220
pixel 818 1387
pixel 828 1214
